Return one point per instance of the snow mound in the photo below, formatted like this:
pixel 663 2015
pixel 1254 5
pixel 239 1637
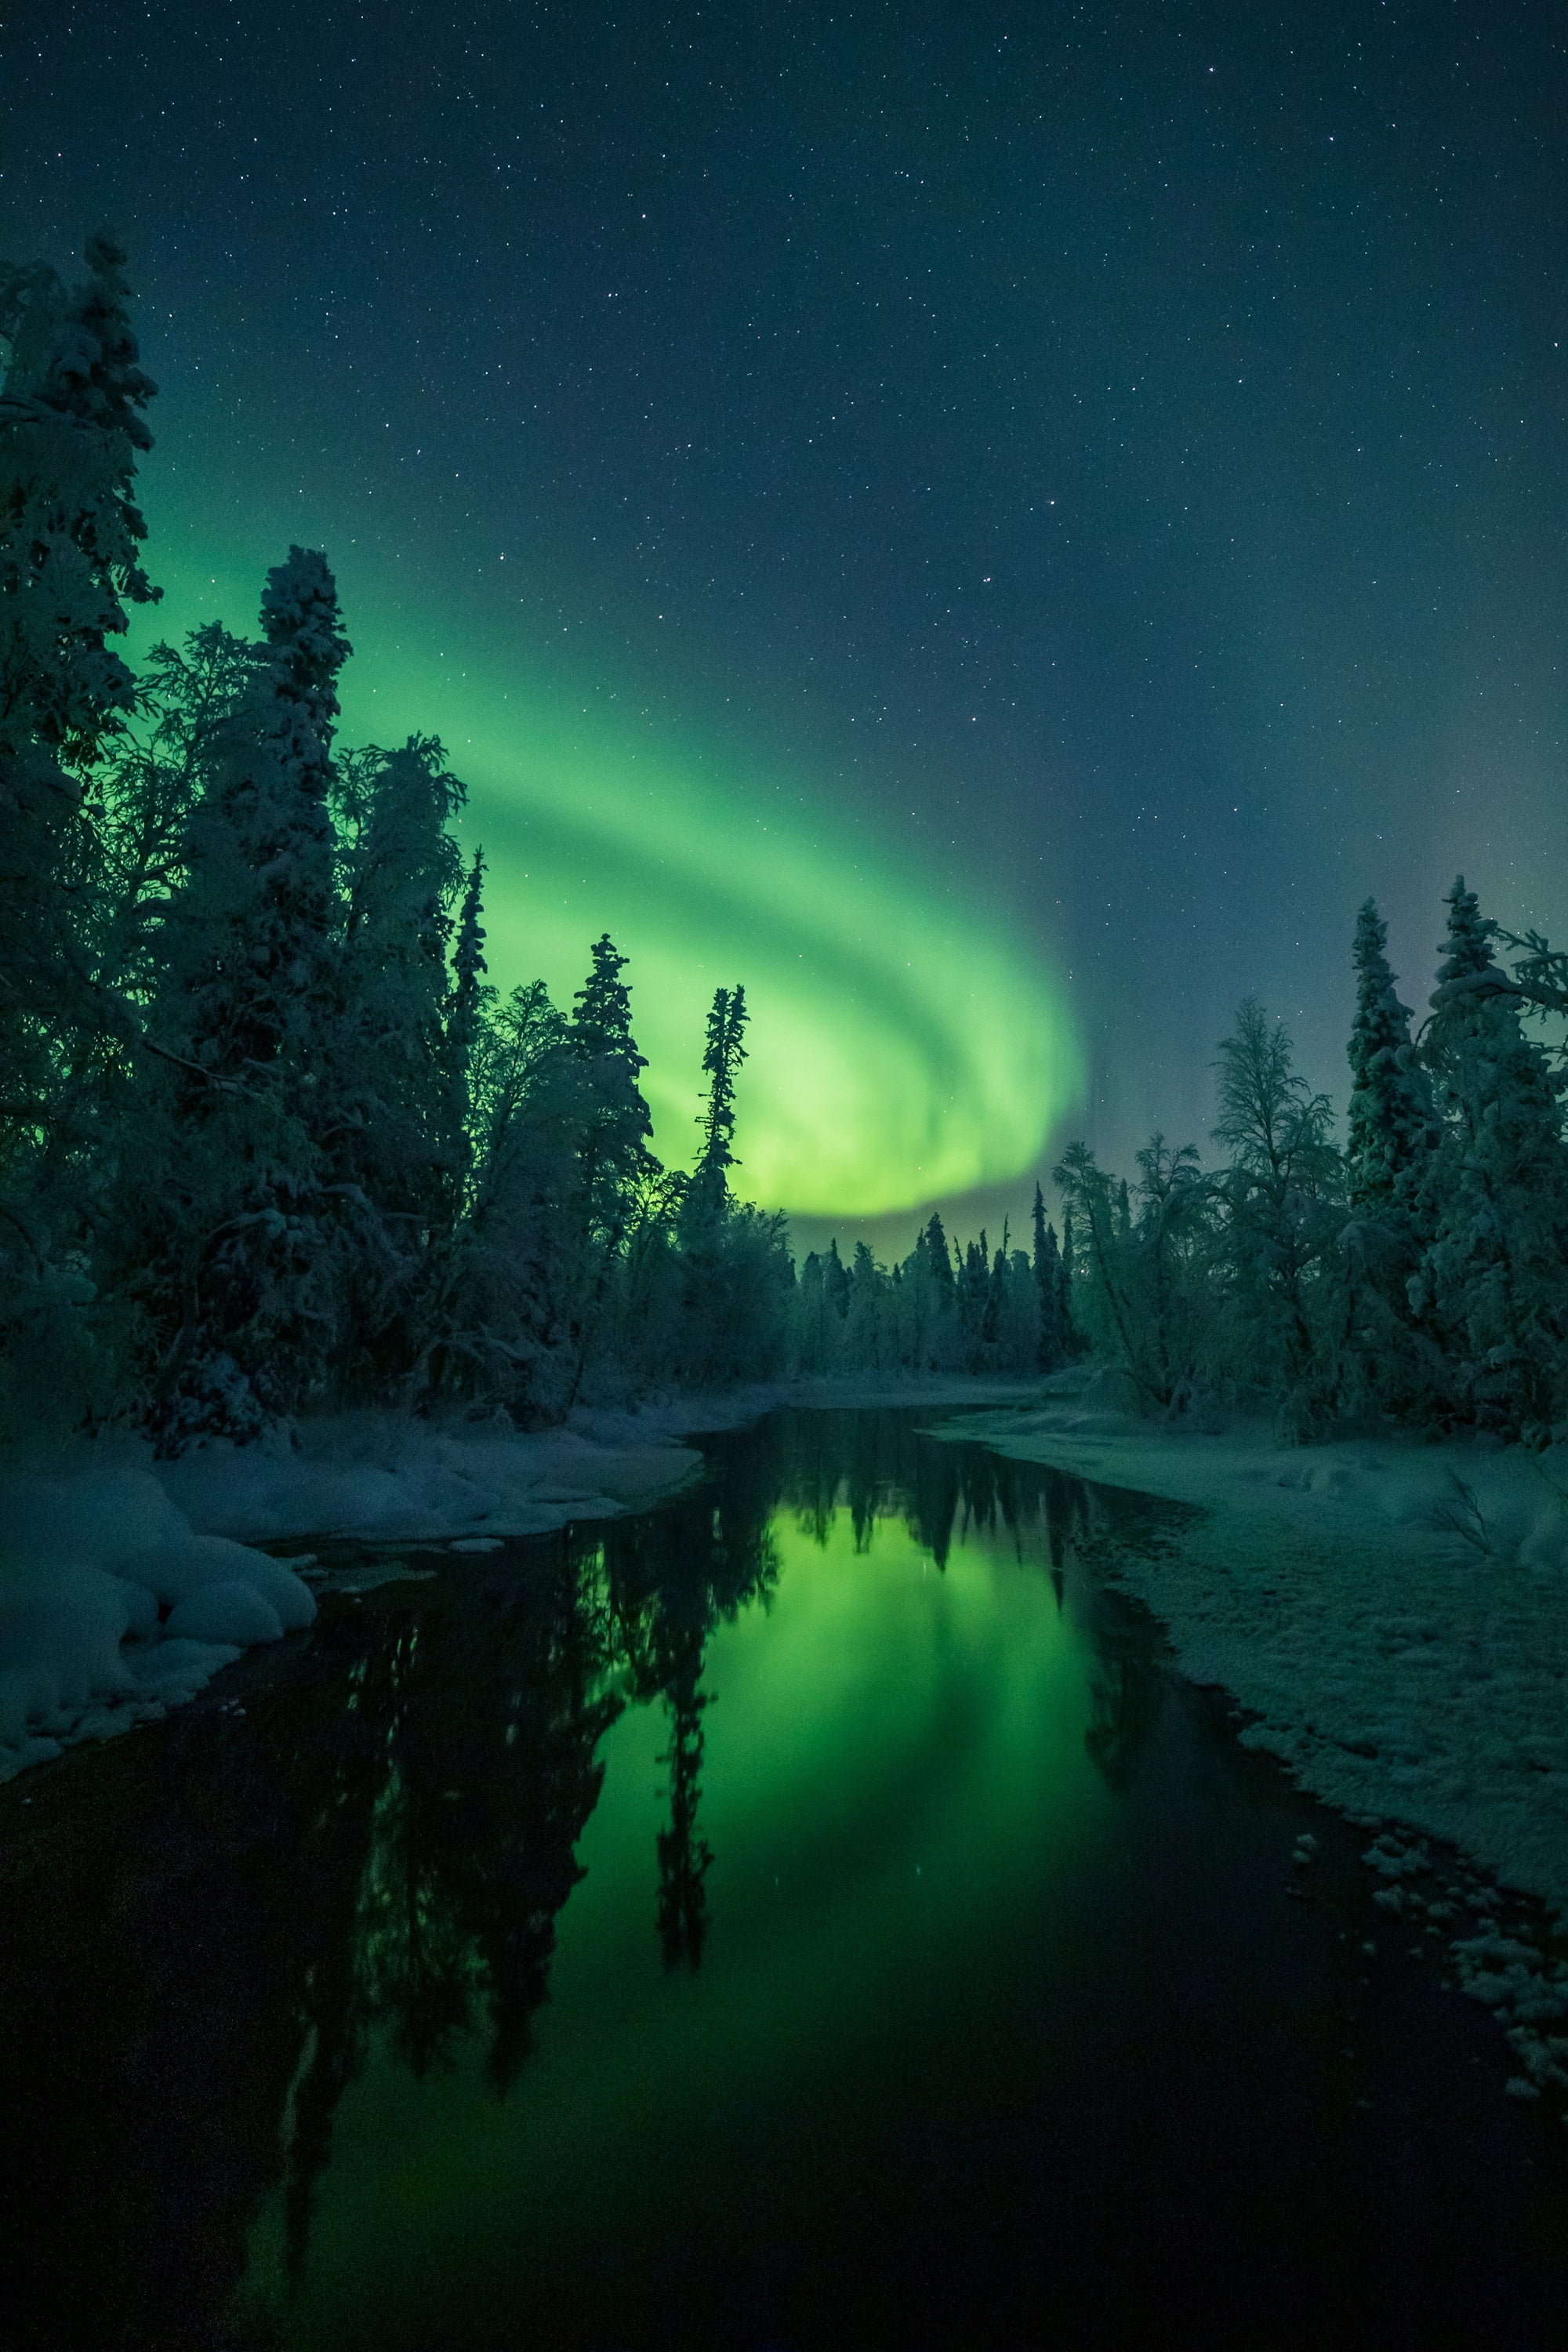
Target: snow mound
pixel 89 1564
pixel 60 1634
pixel 226 1611
pixel 180 1570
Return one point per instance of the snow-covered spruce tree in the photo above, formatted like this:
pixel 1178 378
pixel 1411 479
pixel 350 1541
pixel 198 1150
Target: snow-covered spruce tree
pixel 1490 1292
pixel 1390 1125
pixel 1045 1266
pixel 562 1183
pixel 1281 1198
pixel 396 1150
pixel 465 1027
pixel 136 821
pixel 465 1004
pixel 724 1052
pixel 972 1292
pixel 504 1327
pixel 237 1231
pixel 706 1205
pixel 927 1320
pixel 929 1304
pixel 1072 1334
pixel 143 793
pixel 821 1306
pixel 866 1338
pixel 71 428
pixel 737 1276
pixel 134 838
pixel 614 1150
pixel 1391 1128
pixel 615 1161
pixel 1017 1316
pixel 812 1333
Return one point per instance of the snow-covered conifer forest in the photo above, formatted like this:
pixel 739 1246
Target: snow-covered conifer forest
pixel 274 1145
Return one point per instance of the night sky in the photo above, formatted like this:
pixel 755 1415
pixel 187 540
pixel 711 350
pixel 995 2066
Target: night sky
pixel 994 526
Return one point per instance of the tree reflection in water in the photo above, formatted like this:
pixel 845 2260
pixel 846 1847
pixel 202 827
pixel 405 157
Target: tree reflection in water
pixel 235 1917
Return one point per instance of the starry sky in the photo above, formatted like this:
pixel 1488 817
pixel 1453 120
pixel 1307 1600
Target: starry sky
pixel 994 525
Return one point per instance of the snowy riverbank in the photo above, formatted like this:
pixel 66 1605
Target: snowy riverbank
pixel 125 1585
pixel 1394 1614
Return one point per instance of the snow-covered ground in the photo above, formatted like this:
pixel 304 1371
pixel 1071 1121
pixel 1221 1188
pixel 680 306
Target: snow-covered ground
pixel 126 1584
pixel 1396 1616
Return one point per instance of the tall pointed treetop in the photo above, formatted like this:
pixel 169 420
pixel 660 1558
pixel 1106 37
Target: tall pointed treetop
pixel 722 1055
pixel 1390 1106
pixel 300 621
pixel 602 1023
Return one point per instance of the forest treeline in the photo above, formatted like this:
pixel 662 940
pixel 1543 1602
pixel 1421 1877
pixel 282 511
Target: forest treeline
pixel 271 1142
pixel 1417 1275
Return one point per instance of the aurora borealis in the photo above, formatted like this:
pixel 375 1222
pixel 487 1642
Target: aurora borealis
pixel 994 528
pixel 892 1061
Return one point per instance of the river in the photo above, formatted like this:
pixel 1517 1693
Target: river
pixel 814 1913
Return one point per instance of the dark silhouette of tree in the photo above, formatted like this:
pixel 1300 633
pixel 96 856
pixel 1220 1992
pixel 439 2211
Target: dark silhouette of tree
pixel 684 1855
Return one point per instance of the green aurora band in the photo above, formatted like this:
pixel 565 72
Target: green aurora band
pixel 904 1047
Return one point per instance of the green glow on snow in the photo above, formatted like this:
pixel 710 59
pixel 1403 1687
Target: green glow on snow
pixel 904 1046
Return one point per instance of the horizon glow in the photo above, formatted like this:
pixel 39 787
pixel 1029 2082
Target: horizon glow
pixel 904 1046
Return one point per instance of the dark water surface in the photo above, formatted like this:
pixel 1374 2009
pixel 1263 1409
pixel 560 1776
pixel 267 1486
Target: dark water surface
pixel 812 1914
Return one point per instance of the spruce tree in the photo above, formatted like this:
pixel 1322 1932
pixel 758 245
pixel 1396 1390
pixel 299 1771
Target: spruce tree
pixel 925 1299
pixel 1071 1336
pixel 863 1335
pixel 835 1280
pixel 995 1316
pixel 615 1154
pixel 815 1318
pixel 1491 1289
pixel 941 1261
pixel 509 1332
pixel 239 1281
pixel 724 1052
pixel 1390 1123
pixel 468 979
pixel 972 1286
pixel 1047 1269
pixel 252 955
pixel 144 793
pixel 71 430
pixel 718 1244
pixel 394 1152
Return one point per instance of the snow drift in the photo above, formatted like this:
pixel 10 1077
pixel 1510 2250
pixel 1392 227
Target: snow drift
pixel 113 1608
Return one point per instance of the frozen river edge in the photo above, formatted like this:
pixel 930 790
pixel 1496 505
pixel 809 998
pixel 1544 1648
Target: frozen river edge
pixel 1395 1618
